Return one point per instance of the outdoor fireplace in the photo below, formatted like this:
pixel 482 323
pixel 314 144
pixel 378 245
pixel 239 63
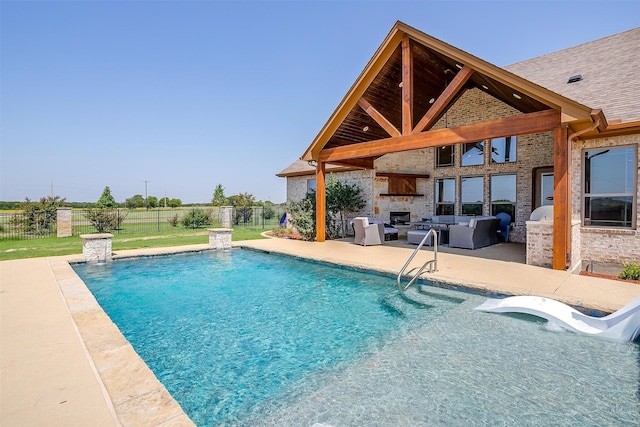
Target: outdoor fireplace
pixel 399 218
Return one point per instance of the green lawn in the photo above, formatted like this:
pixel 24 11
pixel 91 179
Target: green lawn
pixel 52 246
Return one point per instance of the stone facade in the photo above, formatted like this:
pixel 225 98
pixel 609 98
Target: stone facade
pixel 220 238
pixel 96 248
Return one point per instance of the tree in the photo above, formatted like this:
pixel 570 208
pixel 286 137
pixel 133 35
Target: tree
pixel 243 204
pixel 38 217
pixel 219 198
pixel 342 199
pixel 137 201
pixel 152 202
pixel 175 203
pixel 106 201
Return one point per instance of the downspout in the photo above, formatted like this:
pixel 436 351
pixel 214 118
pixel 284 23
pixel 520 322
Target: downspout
pixel 574 136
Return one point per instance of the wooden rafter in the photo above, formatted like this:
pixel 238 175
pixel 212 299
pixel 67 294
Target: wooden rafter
pixel 440 104
pixel 378 117
pixel 510 126
pixel 407 87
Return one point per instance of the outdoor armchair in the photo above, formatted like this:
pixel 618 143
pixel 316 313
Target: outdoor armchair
pixel 367 234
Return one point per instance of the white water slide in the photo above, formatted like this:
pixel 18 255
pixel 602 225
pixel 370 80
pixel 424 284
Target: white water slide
pixel 623 325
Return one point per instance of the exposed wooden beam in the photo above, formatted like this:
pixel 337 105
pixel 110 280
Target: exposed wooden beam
pixel 444 99
pixel 407 86
pixel 321 202
pixel 357 163
pixel 378 117
pixel 510 126
pixel 561 200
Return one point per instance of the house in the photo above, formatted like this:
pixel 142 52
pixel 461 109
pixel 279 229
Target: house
pixel 430 129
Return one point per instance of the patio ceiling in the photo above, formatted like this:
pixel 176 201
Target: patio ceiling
pixel 410 83
pixel 432 73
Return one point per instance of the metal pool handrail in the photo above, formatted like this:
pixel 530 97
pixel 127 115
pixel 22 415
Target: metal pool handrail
pixel 433 263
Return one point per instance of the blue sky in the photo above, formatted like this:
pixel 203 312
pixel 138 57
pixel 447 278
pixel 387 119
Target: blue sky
pixel 190 94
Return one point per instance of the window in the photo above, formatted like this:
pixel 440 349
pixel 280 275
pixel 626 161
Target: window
pixel 503 150
pixel 503 195
pixel 472 153
pixel 472 193
pixel 445 196
pixel 445 156
pixel 609 187
pixel 311 185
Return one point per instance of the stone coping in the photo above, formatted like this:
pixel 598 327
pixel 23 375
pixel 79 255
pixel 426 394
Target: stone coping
pixel 96 236
pixel 137 396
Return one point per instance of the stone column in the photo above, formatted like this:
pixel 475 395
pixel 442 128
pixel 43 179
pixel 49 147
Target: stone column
pixel 63 220
pixel 220 238
pixel 226 216
pixel 96 248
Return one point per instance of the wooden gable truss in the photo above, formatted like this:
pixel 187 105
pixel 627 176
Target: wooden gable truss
pixel 380 115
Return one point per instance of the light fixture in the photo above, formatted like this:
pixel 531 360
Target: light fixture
pixel 485 87
pixel 432 100
pixel 365 129
pixel 516 96
pixel 400 84
pixel 459 66
pixel 312 163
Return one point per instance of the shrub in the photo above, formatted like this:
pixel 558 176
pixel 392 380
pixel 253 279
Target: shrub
pixel 303 217
pixel 104 219
pixel 630 271
pixel 174 221
pixel 197 218
pixel 279 231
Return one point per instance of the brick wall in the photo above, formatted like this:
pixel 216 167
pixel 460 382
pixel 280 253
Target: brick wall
pixel 603 244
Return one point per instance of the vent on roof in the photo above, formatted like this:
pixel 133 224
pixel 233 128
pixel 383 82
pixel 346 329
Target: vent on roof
pixel 575 78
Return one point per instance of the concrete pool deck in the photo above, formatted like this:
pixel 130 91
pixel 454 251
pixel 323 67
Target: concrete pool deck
pixel 63 362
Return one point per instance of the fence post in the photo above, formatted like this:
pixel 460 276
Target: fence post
pixel 226 214
pixel 64 223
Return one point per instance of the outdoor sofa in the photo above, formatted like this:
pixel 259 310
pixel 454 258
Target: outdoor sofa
pixel 477 233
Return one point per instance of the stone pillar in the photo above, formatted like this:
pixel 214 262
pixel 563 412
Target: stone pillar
pixel 220 238
pixel 96 248
pixel 540 243
pixel 226 216
pixel 63 220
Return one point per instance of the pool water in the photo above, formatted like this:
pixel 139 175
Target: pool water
pixel 247 338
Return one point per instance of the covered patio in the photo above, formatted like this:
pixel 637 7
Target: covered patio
pixel 400 104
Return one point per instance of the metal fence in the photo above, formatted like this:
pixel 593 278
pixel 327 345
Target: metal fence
pixel 136 221
pixel 35 225
pixel 143 221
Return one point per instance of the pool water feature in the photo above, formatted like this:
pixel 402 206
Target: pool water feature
pixel 246 338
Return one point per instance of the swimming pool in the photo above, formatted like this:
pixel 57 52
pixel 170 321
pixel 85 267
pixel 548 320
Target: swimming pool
pixel 247 338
